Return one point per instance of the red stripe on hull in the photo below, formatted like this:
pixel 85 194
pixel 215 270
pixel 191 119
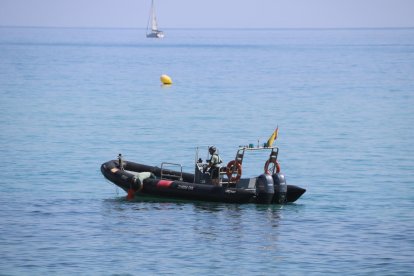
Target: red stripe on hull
pixel 164 183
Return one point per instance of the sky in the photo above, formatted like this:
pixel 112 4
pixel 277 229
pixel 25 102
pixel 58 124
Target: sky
pixel 209 13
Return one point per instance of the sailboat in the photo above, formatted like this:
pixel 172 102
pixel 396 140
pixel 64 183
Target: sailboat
pixel 154 32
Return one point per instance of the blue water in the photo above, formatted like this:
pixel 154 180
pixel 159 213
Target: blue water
pixel 72 99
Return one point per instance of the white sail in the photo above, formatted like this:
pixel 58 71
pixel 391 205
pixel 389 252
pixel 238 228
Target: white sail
pixel 154 25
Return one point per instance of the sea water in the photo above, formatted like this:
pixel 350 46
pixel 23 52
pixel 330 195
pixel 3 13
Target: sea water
pixel 71 99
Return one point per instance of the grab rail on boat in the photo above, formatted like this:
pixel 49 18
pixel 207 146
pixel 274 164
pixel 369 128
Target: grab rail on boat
pixel 169 174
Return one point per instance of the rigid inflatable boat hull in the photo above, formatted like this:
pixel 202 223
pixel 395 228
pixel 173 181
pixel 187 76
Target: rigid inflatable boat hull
pixel 184 188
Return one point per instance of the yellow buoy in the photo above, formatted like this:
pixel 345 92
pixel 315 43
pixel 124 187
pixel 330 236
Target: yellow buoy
pixel 165 79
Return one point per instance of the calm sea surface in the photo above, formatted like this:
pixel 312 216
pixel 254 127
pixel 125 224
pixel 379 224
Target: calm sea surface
pixel 71 99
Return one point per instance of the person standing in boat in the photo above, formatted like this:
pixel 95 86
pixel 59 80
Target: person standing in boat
pixel 120 162
pixel 214 166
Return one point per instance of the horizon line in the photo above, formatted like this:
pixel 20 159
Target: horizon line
pixel 208 28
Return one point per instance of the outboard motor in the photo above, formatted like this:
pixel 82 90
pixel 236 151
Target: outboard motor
pixel 280 188
pixel 264 189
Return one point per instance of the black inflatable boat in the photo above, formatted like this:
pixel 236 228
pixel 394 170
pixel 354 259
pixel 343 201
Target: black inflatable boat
pixel 139 180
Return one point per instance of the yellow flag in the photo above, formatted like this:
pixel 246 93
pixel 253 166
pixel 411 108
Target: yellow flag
pixel 273 137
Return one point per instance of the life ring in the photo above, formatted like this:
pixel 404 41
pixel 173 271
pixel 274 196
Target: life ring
pixel 234 167
pixel 275 164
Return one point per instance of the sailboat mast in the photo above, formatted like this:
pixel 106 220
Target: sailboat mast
pixel 151 16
